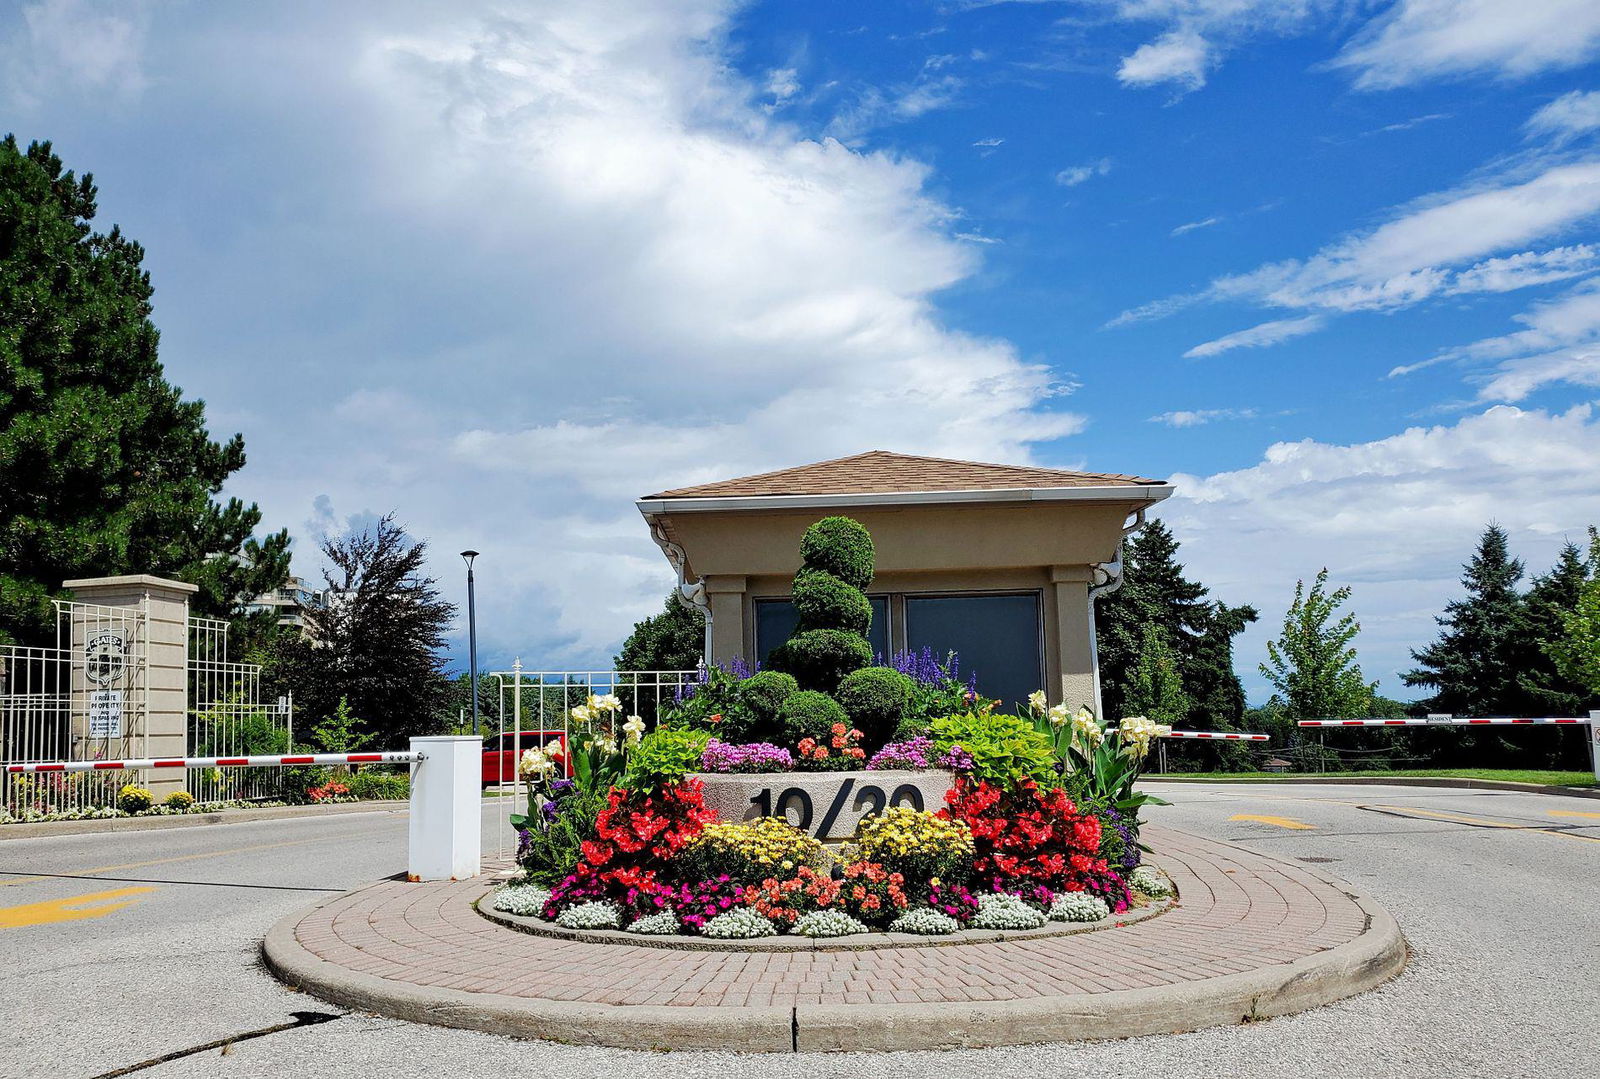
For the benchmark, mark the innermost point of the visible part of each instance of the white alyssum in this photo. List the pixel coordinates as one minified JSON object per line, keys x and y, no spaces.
{"x":662,"y":924}
{"x":925,"y":920}
{"x":1150,"y":881}
{"x":527,"y":900}
{"x":589,"y":916}
{"x":1003,"y":911}
{"x":741,"y":923}
{"x":827,"y":923}
{"x":1079,"y":907}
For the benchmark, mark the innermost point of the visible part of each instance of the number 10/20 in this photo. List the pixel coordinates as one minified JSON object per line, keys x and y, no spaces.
{"x":869,"y":799}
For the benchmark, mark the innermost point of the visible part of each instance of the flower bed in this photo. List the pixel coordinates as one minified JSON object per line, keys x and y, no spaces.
{"x":827,"y":805}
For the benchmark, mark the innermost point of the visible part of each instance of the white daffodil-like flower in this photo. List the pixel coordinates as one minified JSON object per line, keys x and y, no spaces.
{"x":1036,"y":700}
{"x":633,"y":730}
{"x":555,"y":751}
{"x":534,"y":763}
{"x":1086,"y":728}
{"x":582,"y":714}
{"x":604,"y":703}
{"x":1136,"y":734}
{"x":606,"y":744}
{"x":1058,"y":716}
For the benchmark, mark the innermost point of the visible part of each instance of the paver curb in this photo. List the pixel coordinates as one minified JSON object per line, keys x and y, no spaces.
{"x":1383,"y":781}
{"x":1377,"y":954}
{"x":41,"y":829}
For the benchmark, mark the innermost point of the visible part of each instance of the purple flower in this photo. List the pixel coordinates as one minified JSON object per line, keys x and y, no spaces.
{"x":957,"y":759}
{"x":915,"y":753}
{"x":722,"y":756}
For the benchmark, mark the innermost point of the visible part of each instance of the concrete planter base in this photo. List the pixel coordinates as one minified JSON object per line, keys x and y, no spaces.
{"x":828,"y":805}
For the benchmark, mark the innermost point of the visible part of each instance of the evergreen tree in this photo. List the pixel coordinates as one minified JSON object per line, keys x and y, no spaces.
{"x":377,"y":645}
{"x":1474,"y":664}
{"x":673,"y":640}
{"x":1200,"y":632}
{"x":1312,"y":664}
{"x":104,"y":468}
{"x":1577,"y":650}
{"x":1155,"y":685}
{"x":1551,"y":600}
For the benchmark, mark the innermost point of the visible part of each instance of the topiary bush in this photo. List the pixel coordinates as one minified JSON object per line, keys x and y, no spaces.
{"x":827,"y":602}
{"x":841,"y":547}
{"x":875,"y":699}
{"x":761,"y":695}
{"x":809,"y":714}
{"x":834,"y":613}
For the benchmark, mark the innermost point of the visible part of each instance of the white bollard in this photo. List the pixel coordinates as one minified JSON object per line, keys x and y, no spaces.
{"x":1594,"y":743}
{"x":446,"y":808}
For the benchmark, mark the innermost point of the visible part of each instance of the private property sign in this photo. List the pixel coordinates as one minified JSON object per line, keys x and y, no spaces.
{"x":105,"y":713}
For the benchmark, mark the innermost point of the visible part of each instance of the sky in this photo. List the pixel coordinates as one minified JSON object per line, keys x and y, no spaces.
{"x":1332,"y":267}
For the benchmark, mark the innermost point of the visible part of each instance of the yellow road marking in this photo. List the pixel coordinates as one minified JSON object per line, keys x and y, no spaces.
{"x":1438,"y":814}
{"x":72,"y":909}
{"x":164,"y":861}
{"x":1573,"y":813}
{"x":1281,"y":822}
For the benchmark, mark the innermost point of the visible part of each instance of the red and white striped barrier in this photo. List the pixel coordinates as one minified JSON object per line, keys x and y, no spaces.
{"x":1444,"y":721}
{"x":1221,"y":736}
{"x":396,"y":757}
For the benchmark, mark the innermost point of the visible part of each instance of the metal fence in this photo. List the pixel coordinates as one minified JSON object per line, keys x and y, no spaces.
{"x":227,"y":718}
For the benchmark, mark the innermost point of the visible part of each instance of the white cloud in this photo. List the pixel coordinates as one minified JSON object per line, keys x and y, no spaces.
{"x":1267,"y":333}
{"x":1419,"y":40}
{"x":1203,"y":223}
{"x":1394,"y":518}
{"x":1567,"y":117}
{"x":78,"y":47}
{"x":1198,"y":417}
{"x":1074,"y":175}
{"x":783,"y":83}
{"x":1180,"y":57}
{"x":989,"y":143}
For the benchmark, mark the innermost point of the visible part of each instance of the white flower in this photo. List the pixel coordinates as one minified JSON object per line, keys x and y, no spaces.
{"x":925,"y":920}
{"x":633,"y":730}
{"x":1003,"y":911}
{"x":1086,"y":728}
{"x":1148,"y":879}
{"x":527,"y":900}
{"x":582,"y":713}
{"x":1036,"y":700}
{"x":740,"y":923}
{"x":1136,"y":733}
{"x":664,"y":923}
{"x":1058,"y":716}
{"x":827,"y":923}
{"x":605,"y":702}
{"x":534,"y":763}
{"x":589,"y":916}
{"x":1079,"y":907}
{"x":606,"y":744}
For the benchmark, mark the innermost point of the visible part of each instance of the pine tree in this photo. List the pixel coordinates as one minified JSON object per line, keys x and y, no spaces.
{"x":1312,"y":664}
{"x":1474,"y":664}
{"x":104,"y":468}
{"x":1200,"y":632}
{"x":1551,"y":598}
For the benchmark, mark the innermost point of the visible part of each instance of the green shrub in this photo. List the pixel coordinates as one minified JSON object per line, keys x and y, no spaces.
{"x":134,"y":799}
{"x":379,"y":785}
{"x":762,"y":694}
{"x":911,"y":726}
{"x":826,"y":602}
{"x":552,"y":848}
{"x":1004,"y":749}
{"x":820,"y":658}
{"x":178,"y":800}
{"x":842,"y":547}
{"x":875,"y":699}
{"x":809,"y":714}
{"x":664,"y":756}
{"x":719,"y":695}
{"x":300,"y":780}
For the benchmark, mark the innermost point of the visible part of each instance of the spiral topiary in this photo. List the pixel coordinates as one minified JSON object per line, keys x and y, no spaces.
{"x":837,"y":556}
{"x":875,"y":698}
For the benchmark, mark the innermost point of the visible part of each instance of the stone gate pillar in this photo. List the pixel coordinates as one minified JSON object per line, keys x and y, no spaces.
{"x":129,"y":644}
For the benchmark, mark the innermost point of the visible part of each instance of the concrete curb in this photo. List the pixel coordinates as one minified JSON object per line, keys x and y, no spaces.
{"x":42,"y":829}
{"x":1397,"y":781}
{"x":1372,"y":958}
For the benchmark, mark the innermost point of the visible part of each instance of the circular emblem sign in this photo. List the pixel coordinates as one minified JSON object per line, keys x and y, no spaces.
{"x":103,"y":658}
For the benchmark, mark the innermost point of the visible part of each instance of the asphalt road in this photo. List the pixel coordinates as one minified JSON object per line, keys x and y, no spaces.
{"x":1495,"y":891}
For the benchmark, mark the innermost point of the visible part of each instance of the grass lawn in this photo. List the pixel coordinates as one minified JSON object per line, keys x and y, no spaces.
{"x":1505,"y":775}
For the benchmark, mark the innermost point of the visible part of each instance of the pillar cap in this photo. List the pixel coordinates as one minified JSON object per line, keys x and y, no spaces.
{"x":141,"y":579}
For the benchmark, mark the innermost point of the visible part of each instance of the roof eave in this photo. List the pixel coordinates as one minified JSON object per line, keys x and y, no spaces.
{"x":1145,"y":493}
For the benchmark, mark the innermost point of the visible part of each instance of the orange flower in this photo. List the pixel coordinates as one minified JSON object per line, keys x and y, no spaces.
{"x":839,"y":729}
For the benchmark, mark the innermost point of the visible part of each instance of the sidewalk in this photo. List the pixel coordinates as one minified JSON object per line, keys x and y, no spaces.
{"x":1251,"y":937}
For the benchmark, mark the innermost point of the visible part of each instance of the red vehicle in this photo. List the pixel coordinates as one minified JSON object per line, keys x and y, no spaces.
{"x":500,"y":753}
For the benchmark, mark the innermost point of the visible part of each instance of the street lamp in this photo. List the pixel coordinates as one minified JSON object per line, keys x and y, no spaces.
{"x":472,"y":636}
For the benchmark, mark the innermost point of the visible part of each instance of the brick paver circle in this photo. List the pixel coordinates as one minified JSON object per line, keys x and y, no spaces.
{"x":1239,"y":913}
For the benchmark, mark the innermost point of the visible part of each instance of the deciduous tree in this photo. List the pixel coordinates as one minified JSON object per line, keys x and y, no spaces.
{"x":1312,"y":664}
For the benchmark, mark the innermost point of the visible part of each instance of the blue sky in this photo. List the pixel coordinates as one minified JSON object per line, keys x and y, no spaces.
{"x":1334,"y":267}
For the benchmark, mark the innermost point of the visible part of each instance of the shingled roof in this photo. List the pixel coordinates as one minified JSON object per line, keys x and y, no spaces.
{"x":883,"y":472}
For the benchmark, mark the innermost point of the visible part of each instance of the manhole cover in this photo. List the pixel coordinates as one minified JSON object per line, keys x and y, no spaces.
{"x":1316,"y":861}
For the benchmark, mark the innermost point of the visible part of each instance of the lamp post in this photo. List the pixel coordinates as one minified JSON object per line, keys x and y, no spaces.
{"x":472,"y":636}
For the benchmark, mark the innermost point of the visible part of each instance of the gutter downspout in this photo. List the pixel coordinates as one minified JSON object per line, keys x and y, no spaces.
{"x":692,"y":594}
{"x":1107,"y":579}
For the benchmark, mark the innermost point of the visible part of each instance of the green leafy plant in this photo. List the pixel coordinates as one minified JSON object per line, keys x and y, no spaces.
{"x":664,"y":757}
{"x":550,"y":848}
{"x":340,"y":732}
{"x":387,"y":786}
{"x":1004,"y":749}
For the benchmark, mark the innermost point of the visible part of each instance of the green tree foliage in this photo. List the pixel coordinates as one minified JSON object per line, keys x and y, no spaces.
{"x":378,"y":642}
{"x":1312,"y":665}
{"x":1473,"y":665}
{"x":1577,"y":650}
{"x":104,"y":468}
{"x":341,"y":732}
{"x":1199,"y":632}
{"x":1155,"y":686}
{"x":673,"y":640}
